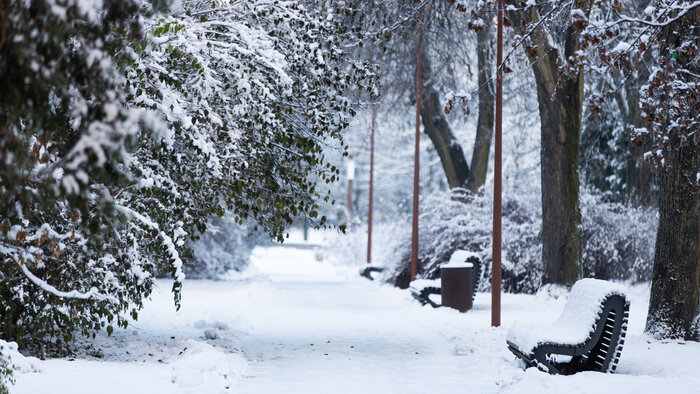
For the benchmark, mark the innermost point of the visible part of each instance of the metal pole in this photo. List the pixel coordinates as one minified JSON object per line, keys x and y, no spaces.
{"x":416,"y":161}
{"x":371,"y":185}
{"x":496,"y":252}
{"x":351,"y":177}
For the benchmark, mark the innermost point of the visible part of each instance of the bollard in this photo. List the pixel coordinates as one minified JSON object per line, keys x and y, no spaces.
{"x":456,"y":279}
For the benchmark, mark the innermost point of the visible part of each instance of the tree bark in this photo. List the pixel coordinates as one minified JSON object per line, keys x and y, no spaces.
{"x":438,"y":129}
{"x":560,"y":98}
{"x":674,"y":304}
{"x":485,"y":122}
{"x":638,"y":172}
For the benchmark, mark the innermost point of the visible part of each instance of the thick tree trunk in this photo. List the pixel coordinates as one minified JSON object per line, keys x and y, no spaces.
{"x":560,"y":97}
{"x":561,"y":217}
{"x":485,"y":122}
{"x":436,"y":126}
{"x":674,"y":307}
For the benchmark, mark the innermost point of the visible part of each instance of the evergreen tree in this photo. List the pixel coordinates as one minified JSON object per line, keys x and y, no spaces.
{"x":67,"y":255}
{"x":118,"y":142}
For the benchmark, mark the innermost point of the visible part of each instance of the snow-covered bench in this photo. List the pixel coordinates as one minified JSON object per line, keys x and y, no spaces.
{"x":423,"y":289}
{"x":369,"y":270}
{"x":588,"y":336}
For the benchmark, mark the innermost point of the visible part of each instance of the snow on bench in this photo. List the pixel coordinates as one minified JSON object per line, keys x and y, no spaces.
{"x":590,"y":330}
{"x":427,"y":291}
{"x":459,"y":259}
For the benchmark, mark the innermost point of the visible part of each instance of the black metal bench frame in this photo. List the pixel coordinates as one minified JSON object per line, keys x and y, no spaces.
{"x":600,"y":352}
{"x":367,"y":271}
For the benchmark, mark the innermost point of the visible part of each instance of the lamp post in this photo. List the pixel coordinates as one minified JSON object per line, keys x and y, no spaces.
{"x":416,"y":162}
{"x":496,"y":251}
{"x":351,"y":178}
{"x":371,"y":184}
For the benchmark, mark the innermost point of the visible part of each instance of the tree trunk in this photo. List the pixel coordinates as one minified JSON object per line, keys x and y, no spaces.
{"x":561,"y":216}
{"x":674,"y":304}
{"x":560,"y":98}
{"x":436,"y":126}
{"x":485,"y":122}
{"x":638,"y":173}
{"x":639,"y":176}
{"x":673,"y":307}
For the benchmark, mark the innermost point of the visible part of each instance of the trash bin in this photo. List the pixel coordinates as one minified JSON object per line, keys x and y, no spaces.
{"x":456,"y":283}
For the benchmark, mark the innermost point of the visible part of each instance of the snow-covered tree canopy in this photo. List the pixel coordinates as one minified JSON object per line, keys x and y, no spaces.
{"x":67,"y":257}
{"x":252,"y":90}
{"x":667,"y":32}
{"x":123,"y":129}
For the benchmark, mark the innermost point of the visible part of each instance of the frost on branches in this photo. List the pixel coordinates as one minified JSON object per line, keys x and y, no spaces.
{"x":667,"y":32}
{"x":122,"y":139}
{"x":615,"y":239}
{"x":251,"y":89}
{"x":68,"y":258}
{"x":670,"y":98}
{"x":5,"y":367}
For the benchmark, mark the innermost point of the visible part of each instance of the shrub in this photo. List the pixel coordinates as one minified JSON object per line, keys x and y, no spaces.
{"x":5,"y":368}
{"x":223,"y":247}
{"x":618,"y":239}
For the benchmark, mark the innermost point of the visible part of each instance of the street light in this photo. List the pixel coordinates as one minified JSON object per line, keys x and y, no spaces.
{"x":351,"y":178}
{"x":371,"y":185}
{"x":496,"y":251}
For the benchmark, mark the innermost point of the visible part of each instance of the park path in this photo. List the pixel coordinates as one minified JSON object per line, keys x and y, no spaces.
{"x":294,"y":323}
{"x":324,"y":329}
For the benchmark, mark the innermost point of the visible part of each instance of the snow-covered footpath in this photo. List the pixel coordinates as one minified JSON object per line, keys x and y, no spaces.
{"x":293,"y":324}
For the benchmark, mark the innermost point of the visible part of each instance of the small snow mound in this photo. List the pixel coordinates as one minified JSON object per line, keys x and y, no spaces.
{"x":18,"y":361}
{"x":200,"y":324}
{"x":462,"y":349}
{"x":201,"y":364}
{"x":210,"y":334}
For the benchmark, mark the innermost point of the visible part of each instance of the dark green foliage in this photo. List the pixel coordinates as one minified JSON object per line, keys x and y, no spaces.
{"x":5,"y":369}
{"x":603,"y":149}
{"x":115,"y":149}
{"x":63,"y":128}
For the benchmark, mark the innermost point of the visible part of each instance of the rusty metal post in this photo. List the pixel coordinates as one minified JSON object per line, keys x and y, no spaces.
{"x":456,"y":286}
{"x":351,"y":178}
{"x":371,"y":184}
{"x":496,"y":251}
{"x":416,"y":162}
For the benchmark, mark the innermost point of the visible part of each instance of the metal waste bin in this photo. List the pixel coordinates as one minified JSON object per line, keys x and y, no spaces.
{"x":456,"y":280}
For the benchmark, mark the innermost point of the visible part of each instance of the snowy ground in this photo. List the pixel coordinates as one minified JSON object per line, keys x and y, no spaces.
{"x":293,"y":324}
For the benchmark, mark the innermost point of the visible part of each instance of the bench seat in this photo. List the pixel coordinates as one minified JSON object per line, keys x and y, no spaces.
{"x":588,"y":336}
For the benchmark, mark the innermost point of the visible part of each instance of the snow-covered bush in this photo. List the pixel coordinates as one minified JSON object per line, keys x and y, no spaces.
{"x":5,"y":368}
{"x":460,"y":220}
{"x":253,"y":91}
{"x":223,"y":247}
{"x":115,"y":150}
{"x":618,"y":239}
{"x":72,"y":255}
